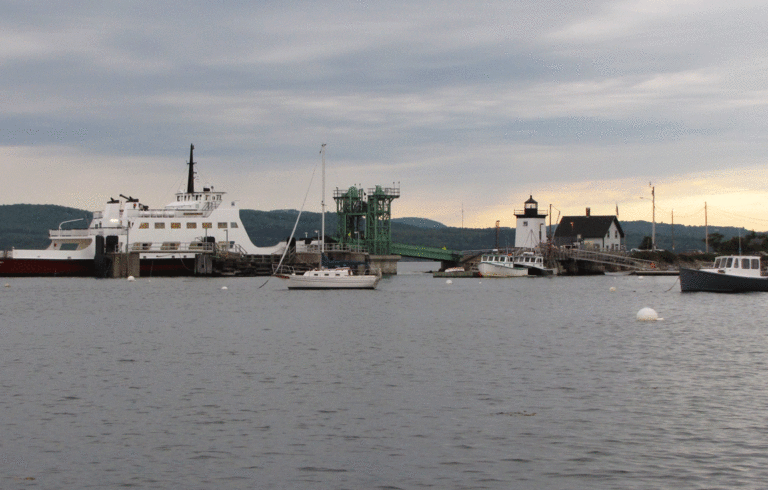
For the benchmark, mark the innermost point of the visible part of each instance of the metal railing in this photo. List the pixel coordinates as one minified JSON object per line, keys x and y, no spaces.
{"x":172,"y":247}
{"x":615,"y":258}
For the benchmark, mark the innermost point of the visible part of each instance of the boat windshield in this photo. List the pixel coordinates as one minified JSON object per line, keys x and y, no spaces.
{"x":729,"y":262}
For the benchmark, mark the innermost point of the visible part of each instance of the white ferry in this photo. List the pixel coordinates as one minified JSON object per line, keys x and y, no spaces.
{"x":168,"y":239}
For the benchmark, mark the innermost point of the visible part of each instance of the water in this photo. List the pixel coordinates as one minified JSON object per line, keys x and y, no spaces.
{"x":506,"y":383}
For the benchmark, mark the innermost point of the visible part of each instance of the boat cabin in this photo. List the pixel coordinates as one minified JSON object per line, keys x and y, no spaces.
{"x":738,"y":265}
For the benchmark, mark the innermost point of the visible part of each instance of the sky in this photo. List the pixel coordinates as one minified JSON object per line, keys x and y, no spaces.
{"x":468,"y":107}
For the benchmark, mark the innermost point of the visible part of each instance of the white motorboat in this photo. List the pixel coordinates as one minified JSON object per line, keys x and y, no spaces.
{"x":500,"y":265}
{"x":534,"y":263}
{"x":730,"y":274}
{"x":330,"y":278}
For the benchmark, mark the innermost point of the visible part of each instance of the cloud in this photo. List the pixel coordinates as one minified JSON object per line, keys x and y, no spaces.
{"x":474,"y":103}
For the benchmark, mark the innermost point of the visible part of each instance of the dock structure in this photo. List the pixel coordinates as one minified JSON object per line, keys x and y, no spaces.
{"x":585,"y":261}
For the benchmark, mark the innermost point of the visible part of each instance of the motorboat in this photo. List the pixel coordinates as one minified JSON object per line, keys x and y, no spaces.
{"x":533,"y":262}
{"x":500,"y":265}
{"x":730,"y":274}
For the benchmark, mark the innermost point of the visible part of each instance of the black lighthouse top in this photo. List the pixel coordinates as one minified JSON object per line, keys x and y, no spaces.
{"x":531,"y":210}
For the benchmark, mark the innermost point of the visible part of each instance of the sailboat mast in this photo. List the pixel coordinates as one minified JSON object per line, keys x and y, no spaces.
{"x":322,"y":209}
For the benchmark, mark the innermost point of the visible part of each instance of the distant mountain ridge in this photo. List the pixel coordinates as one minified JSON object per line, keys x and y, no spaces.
{"x":27,"y":225}
{"x":419,"y":222}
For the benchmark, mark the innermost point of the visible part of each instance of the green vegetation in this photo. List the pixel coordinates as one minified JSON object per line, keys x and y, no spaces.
{"x":27,"y":225}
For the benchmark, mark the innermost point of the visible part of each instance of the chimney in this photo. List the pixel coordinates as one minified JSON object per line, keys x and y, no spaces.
{"x":587,"y":211}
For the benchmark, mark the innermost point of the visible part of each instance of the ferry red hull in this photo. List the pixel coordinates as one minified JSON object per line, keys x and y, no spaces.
{"x":45,"y":267}
{"x":86,"y":267}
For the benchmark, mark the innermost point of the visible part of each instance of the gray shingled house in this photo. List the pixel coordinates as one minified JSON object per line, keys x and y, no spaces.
{"x":589,"y":232}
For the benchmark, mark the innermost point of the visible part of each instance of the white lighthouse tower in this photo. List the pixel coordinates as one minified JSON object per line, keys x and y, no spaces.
{"x":531,"y":226}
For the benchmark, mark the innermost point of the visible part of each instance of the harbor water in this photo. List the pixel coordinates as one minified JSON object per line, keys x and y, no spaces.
{"x":546,"y":383}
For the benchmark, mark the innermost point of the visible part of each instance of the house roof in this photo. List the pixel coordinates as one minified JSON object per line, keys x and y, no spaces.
{"x":586,"y":226}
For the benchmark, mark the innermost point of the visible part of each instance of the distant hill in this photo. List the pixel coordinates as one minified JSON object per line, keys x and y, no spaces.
{"x":419,"y":222}
{"x":27,"y":225}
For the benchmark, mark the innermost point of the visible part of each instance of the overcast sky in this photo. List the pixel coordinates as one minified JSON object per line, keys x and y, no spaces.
{"x":471,"y":107}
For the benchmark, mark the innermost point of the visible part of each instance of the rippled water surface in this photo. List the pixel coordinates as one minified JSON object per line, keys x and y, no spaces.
{"x":506,"y":383}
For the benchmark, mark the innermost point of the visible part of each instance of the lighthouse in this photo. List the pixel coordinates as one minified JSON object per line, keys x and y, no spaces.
{"x":531,"y":225}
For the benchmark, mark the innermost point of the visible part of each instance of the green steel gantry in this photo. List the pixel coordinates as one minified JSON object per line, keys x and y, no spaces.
{"x":364,"y":221}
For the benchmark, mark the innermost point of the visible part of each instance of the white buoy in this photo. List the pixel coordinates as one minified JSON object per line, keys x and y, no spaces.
{"x":449,"y":281}
{"x":648,"y":315}
{"x":131,"y":278}
{"x":223,"y":287}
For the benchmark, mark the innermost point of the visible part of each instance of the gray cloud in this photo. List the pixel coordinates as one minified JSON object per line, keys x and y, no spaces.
{"x":433,"y":93}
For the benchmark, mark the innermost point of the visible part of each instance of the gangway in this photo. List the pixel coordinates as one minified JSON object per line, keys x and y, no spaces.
{"x":430,"y":253}
{"x":616,"y":259}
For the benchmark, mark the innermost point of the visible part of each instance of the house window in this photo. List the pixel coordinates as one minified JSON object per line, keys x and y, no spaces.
{"x":191,"y":225}
{"x":159,"y":226}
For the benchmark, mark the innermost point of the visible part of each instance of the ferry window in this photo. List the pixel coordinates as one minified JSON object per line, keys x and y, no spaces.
{"x":233,"y":225}
{"x":745,"y":263}
{"x":169,"y":246}
{"x":207,"y":225}
{"x":176,"y":226}
{"x":144,"y":226}
{"x":729,"y":262}
{"x":222,"y":225}
{"x":159,"y":226}
{"x":191,"y":225}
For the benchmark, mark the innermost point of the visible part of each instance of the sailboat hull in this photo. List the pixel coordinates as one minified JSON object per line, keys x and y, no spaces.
{"x":324,"y":280}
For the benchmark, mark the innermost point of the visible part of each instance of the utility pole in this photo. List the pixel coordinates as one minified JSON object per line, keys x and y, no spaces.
{"x":653,"y":227}
{"x":549,"y":230}
{"x":673,"y":230}
{"x":706,"y":229}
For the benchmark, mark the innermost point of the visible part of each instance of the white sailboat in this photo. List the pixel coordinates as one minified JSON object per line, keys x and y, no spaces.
{"x":330,"y":278}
